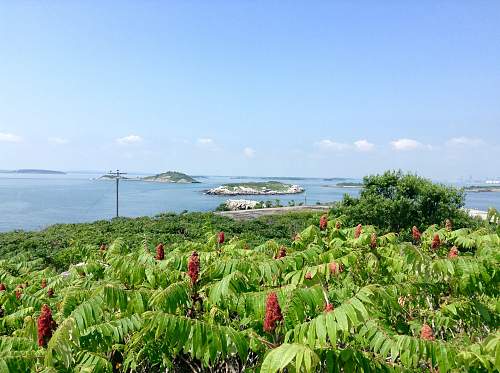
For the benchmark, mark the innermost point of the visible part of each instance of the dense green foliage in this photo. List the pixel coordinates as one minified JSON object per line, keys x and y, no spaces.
{"x":395,"y":201}
{"x":63,"y":244}
{"x":394,"y":306}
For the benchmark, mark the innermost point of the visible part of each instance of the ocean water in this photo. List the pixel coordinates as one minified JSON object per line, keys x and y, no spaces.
{"x":32,"y":202}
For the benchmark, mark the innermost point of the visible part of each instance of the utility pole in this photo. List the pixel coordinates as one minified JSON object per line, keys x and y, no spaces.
{"x":117,"y":174}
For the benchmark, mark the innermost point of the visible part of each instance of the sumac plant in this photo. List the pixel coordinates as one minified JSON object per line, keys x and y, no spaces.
{"x":331,"y":304}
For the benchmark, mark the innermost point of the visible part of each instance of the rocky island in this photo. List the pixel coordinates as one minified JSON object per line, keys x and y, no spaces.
{"x":170,"y":177}
{"x":255,"y":188}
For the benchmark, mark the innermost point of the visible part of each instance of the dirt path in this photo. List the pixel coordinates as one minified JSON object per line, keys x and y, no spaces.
{"x":255,"y":213}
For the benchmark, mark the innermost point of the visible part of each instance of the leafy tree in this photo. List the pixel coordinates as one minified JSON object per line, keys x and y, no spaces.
{"x":395,"y":201}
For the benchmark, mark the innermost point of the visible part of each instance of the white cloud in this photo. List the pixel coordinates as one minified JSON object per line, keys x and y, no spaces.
{"x":9,"y":137}
{"x":249,"y":152}
{"x":58,"y":140}
{"x":464,"y":141}
{"x":332,"y":145}
{"x":363,"y":145}
{"x":129,"y":140}
{"x":205,"y":141}
{"x":407,"y":144}
{"x":207,"y":144}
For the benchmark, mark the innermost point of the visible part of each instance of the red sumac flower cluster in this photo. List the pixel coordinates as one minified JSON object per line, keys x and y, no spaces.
{"x":2,"y":287}
{"x":453,"y":252}
{"x":416,"y":234}
{"x":373,"y":240}
{"x":329,"y":307}
{"x":194,"y":267}
{"x":45,"y":326}
{"x":44,"y":283}
{"x":427,"y":333}
{"x":323,"y":222}
{"x":220,"y":238}
{"x":336,"y":268}
{"x":281,"y":253}
{"x":273,"y":312}
{"x":160,"y":252}
{"x":436,"y":242}
{"x":358,"y":230}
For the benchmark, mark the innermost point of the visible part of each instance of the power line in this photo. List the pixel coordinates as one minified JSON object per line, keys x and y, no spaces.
{"x":116,"y":174}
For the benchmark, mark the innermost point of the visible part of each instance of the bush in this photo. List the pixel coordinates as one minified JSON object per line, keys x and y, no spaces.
{"x":395,"y":201}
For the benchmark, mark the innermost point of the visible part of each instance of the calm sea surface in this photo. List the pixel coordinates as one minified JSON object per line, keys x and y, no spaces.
{"x":33,"y":202}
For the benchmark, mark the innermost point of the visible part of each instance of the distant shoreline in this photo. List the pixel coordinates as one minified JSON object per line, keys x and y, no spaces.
{"x":33,"y":171}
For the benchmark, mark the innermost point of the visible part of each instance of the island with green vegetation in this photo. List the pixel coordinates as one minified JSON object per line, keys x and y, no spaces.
{"x":113,"y":177}
{"x":483,"y":188}
{"x":256,"y":188}
{"x":349,"y":185}
{"x":171,"y":177}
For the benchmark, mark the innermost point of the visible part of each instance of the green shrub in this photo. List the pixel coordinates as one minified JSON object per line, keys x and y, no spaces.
{"x":395,"y":201}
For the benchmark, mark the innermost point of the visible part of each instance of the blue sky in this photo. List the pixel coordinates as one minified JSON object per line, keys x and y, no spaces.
{"x":328,"y":88}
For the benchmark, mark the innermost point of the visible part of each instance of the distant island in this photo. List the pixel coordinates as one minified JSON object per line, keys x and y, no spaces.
{"x":113,"y":177}
{"x":165,"y":177}
{"x":349,"y":185}
{"x":33,"y":171}
{"x":170,"y":177}
{"x":334,"y":178}
{"x":255,"y":188}
{"x":483,"y":188}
